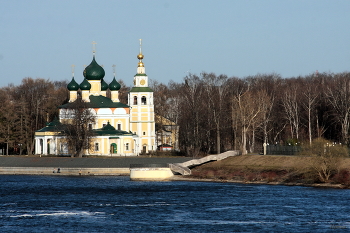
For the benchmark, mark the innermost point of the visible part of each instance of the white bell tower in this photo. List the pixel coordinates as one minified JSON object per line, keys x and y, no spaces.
{"x":142,"y":109}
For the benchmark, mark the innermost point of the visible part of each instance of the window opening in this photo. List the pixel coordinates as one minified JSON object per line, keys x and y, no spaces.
{"x":143,"y":100}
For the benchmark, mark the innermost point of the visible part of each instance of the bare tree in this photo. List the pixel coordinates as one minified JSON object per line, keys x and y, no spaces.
{"x":327,"y":157}
{"x":191,"y":107}
{"x":338,"y":94}
{"x":292,"y":108}
{"x":216,"y":91}
{"x":250,"y":111}
{"x":8,"y":119}
{"x":310,"y":94}
{"x":76,"y":131}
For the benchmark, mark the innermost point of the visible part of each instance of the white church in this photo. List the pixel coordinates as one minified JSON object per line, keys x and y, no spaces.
{"x":119,"y":129}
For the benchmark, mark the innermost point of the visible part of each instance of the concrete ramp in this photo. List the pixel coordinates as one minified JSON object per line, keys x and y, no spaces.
{"x":177,"y":168}
{"x":184,"y":168}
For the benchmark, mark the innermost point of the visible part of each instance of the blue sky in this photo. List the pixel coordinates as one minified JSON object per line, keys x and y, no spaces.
{"x":42,"y":39}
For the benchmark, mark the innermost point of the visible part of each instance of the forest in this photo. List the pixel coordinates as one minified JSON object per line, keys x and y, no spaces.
{"x":215,"y":113}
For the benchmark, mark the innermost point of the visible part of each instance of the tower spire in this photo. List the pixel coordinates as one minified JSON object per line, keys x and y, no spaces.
{"x":140,"y":66}
{"x":140,"y":46}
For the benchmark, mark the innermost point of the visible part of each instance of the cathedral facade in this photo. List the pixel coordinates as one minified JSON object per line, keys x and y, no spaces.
{"x":118,"y":129}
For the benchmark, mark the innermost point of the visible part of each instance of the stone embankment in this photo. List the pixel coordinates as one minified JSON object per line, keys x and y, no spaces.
{"x":26,"y":165}
{"x":167,"y":171}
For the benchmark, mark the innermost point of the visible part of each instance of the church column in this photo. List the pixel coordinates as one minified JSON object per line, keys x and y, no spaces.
{"x":44,"y":149}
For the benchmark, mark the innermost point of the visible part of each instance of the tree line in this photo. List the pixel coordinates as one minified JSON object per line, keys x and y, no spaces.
{"x":214,"y":113}
{"x":26,"y":108}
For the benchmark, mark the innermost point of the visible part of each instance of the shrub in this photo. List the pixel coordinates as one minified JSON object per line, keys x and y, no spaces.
{"x":326,"y":157}
{"x":342,"y":177}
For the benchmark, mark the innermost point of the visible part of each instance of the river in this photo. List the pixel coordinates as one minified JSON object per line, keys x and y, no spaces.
{"x":116,"y":204}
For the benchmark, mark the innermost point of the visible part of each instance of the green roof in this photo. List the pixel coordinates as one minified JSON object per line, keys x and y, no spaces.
{"x":141,"y":89}
{"x":100,"y":102}
{"x":109,"y":130}
{"x":53,"y":126}
{"x":140,"y":74}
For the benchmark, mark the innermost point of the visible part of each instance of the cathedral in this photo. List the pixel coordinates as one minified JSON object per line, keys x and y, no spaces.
{"x":119,"y":129}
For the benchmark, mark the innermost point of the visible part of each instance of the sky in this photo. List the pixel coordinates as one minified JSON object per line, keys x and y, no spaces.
{"x":43,"y":39}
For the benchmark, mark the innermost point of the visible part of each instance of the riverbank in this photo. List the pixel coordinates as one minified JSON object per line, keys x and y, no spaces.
{"x":248,"y":169}
{"x":274,"y":170}
{"x":36,"y":165}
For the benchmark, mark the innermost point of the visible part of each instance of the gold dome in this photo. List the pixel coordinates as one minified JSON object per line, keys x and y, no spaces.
{"x":140,"y":64}
{"x":140,"y":56}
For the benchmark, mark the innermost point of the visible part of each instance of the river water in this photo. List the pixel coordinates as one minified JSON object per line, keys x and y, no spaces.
{"x":116,"y":204}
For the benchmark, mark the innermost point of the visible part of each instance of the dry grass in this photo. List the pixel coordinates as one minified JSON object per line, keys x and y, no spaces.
{"x":284,"y":169}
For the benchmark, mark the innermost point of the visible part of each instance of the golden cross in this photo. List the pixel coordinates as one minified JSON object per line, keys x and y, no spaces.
{"x":73,"y":69}
{"x":113,"y":69}
{"x":94,"y":47}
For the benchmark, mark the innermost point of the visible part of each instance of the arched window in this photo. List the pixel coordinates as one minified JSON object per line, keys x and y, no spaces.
{"x":135,"y":100}
{"x":143,"y":100}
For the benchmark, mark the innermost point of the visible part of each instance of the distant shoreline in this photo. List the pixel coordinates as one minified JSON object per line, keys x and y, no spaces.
{"x":315,"y":185}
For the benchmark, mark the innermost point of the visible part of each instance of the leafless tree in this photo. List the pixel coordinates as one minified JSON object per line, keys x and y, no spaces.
{"x":216,"y":92}
{"x":338,"y":94}
{"x":326,"y":157}
{"x":292,"y":108}
{"x":76,"y":131}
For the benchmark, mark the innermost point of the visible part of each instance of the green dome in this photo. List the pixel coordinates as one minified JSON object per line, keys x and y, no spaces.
{"x":104,"y":85}
{"x":85,"y":85}
{"x":114,"y":85}
{"x":73,"y":85}
{"x":94,"y":71}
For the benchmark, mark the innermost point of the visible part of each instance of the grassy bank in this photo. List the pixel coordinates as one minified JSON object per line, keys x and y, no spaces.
{"x":271,"y":169}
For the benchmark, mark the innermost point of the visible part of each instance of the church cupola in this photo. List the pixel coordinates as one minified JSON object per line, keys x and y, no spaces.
{"x":114,"y":86}
{"x":104,"y":87}
{"x":94,"y":73}
{"x":85,"y":87}
{"x":73,"y":85}
{"x":73,"y":88}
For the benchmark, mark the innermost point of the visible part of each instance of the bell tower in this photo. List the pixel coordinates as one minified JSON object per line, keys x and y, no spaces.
{"x":140,"y":100}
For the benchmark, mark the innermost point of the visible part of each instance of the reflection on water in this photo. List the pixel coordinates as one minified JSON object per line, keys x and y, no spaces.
{"x":115,"y":204}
